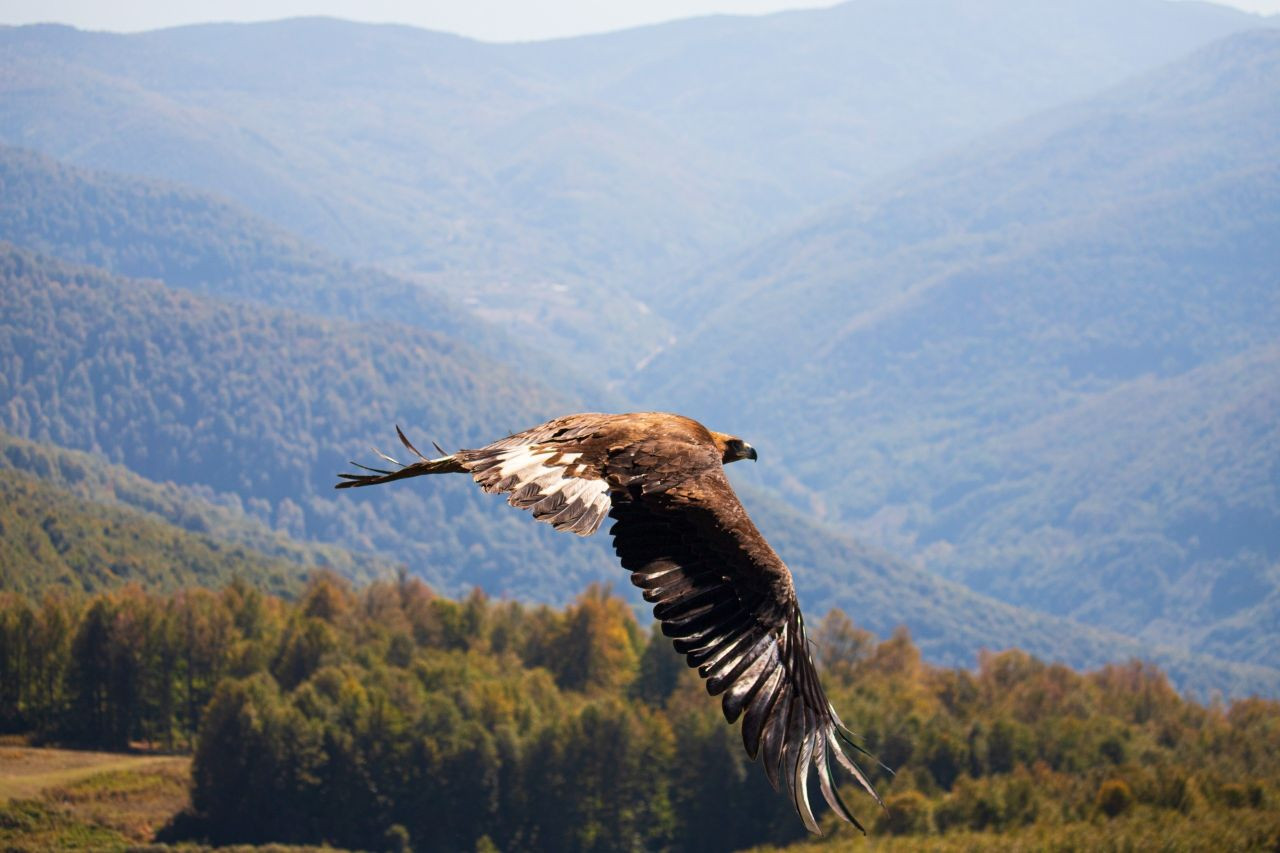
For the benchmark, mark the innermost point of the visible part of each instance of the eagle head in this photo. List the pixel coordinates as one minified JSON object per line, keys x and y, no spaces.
{"x":733,"y":448}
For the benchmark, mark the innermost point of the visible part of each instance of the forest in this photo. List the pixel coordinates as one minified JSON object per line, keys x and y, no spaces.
{"x":389,"y":717}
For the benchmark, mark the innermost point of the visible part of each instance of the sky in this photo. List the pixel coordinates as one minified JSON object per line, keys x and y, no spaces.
{"x":489,"y":20}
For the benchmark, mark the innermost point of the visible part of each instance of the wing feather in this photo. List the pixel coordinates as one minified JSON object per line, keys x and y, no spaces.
{"x":759,"y":712}
{"x":542,"y":470}
{"x":726,"y":599}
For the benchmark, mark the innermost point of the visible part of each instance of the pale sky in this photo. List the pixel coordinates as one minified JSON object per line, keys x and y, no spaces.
{"x":490,"y":20}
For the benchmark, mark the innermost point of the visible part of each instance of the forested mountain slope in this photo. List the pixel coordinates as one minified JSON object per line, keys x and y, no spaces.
{"x":51,"y":539}
{"x":585,"y":170}
{"x":144,"y":228}
{"x":1046,"y":364}
{"x":269,"y":405}
{"x":951,"y":622}
{"x":194,"y":508}
{"x":180,"y":388}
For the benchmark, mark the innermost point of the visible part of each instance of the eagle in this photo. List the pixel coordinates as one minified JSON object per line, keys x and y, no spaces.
{"x":720,"y":592}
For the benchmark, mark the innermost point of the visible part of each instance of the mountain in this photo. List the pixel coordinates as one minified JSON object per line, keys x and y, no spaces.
{"x":817,"y":101}
{"x":143,"y":228}
{"x":586,"y":170}
{"x":952,"y":623}
{"x":1043,"y":362}
{"x":269,"y":404}
{"x":49,"y":538}
{"x":258,"y":408}
{"x":90,"y":479}
{"x":248,"y":411}
{"x":1046,"y":363}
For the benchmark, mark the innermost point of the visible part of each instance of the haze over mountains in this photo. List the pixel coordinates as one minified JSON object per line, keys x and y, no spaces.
{"x":582,"y":169}
{"x":1048,"y":361}
{"x":188,"y":391}
{"x":1040,"y":341}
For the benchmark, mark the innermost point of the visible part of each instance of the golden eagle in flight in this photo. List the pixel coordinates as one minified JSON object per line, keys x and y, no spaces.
{"x":721,"y":593}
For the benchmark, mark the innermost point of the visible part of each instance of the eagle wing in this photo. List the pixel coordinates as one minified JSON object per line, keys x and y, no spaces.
{"x":727,"y":600}
{"x":554,"y":470}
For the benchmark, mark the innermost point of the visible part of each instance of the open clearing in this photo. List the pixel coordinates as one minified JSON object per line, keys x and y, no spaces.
{"x":65,"y":799}
{"x":27,"y":771}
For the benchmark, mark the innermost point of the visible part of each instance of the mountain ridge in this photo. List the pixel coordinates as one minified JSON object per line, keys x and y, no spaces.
{"x":452,"y":535}
{"x":921,"y":328}
{"x":586,"y":170}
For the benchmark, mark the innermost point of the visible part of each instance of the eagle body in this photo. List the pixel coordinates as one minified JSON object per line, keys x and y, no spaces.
{"x":721,"y":593}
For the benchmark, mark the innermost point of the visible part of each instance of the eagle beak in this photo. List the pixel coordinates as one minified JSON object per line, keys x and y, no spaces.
{"x":749,"y":452}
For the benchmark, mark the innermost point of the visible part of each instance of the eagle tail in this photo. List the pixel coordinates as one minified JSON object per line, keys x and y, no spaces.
{"x":448,"y":464}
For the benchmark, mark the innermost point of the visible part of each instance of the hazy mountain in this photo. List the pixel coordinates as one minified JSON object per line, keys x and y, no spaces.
{"x":579,"y":170}
{"x":1043,"y":364}
{"x":951,"y":623}
{"x":815,"y":101}
{"x":1046,"y":364}
{"x":151,"y":229}
{"x":258,"y":408}
{"x":269,"y":404}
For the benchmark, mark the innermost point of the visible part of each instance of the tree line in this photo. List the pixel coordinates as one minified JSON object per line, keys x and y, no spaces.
{"x":389,"y":717}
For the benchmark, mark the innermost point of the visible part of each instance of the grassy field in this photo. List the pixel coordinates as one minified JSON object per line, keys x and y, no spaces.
{"x":65,"y":799}
{"x":25,"y":772}
{"x":60,"y":799}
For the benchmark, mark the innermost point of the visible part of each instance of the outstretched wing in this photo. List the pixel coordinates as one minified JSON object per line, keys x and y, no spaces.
{"x":727,"y":601}
{"x":554,"y":470}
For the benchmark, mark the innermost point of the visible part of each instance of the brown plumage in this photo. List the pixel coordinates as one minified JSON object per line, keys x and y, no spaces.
{"x":721,"y":593}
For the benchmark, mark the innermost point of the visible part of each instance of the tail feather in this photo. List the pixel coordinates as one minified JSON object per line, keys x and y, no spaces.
{"x":448,"y":464}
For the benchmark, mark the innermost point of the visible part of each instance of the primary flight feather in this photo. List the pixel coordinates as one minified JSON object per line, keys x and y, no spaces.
{"x":721,"y":593}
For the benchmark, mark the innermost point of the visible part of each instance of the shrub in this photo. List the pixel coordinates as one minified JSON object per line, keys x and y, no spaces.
{"x":1114,"y":797}
{"x":907,"y":813}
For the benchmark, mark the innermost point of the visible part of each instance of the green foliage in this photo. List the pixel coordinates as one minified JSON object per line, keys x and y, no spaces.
{"x":192,"y":508}
{"x":907,"y":813}
{"x":388,"y":717}
{"x":51,"y":539}
{"x":1114,"y":797}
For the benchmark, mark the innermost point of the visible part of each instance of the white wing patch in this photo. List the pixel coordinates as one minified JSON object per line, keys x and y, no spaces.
{"x":547,"y":482}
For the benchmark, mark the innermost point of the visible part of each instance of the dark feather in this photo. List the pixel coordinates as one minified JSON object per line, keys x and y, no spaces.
{"x":405,"y":441}
{"x":696,"y":599}
{"x":758,"y":712}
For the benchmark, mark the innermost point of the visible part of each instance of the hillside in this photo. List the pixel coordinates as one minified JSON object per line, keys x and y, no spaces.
{"x":1046,"y":363}
{"x":51,"y":539}
{"x":195,"y":509}
{"x":587,"y":170}
{"x":269,"y":405}
{"x":173,"y":386}
{"x":952,"y":624}
{"x":143,"y":228}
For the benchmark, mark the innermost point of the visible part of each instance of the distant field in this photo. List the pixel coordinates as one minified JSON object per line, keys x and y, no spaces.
{"x":68,"y":799}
